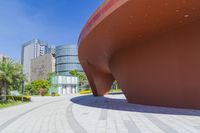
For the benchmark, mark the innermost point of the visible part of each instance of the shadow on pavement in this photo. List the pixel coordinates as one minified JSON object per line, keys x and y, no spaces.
{"x":115,"y":93}
{"x":120,"y":104}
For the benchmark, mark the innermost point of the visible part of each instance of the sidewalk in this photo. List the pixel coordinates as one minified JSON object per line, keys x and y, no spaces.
{"x":88,"y":114}
{"x":112,"y":114}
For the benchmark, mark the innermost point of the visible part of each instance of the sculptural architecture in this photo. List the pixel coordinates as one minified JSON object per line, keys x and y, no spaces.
{"x":151,"y":47}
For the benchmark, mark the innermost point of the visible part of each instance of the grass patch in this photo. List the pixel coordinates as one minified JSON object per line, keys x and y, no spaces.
{"x":10,"y":103}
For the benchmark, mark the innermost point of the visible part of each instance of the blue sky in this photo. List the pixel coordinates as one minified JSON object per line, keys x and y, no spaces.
{"x":55,"y":21}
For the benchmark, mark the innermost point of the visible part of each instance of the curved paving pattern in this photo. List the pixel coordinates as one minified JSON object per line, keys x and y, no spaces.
{"x":112,"y":114}
{"x":88,"y":114}
{"x":10,"y":121}
{"x":74,"y":124}
{"x":43,"y":115}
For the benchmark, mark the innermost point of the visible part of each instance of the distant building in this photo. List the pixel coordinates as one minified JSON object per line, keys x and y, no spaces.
{"x":31,"y":50}
{"x":42,"y":66}
{"x":67,"y":59}
{"x":51,"y":49}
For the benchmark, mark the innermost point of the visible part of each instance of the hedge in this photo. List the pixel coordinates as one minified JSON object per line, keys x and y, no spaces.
{"x":19,"y":98}
{"x":52,"y":94}
{"x":85,"y":92}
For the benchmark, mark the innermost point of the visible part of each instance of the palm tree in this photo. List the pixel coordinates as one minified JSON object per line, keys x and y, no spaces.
{"x":17,"y":76}
{"x":10,"y":74}
{"x":81,"y":75}
{"x":82,"y":78}
{"x":6,"y":68}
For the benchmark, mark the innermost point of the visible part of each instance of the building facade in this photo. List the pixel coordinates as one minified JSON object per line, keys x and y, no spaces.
{"x":64,"y":85}
{"x":42,"y":66}
{"x":51,"y":49}
{"x":67,"y":59}
{"x":30,"y":50}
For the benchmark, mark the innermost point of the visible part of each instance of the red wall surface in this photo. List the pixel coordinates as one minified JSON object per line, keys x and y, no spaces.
{"x":151,"y":47}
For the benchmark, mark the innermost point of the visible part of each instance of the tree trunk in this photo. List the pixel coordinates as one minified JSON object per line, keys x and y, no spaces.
{"x":0,"y":91}
{"x":3,"y":92}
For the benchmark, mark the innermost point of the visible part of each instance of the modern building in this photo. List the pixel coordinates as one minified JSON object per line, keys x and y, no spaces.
{"x":151,"y":48}
{"x":42,"y":66}
{"x":51,"y":49}
{"x":64,"y":85}
{"x":67,"y":59}
{"x":30,"y":50}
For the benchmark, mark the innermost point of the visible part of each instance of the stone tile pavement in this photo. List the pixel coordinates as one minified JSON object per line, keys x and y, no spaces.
{"x":112,"y":114}
{"x":88,"y":114}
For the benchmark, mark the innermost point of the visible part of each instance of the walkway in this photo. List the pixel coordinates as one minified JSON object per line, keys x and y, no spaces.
{"x":88,"y":114}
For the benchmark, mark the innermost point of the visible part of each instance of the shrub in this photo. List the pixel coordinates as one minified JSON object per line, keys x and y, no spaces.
{"x":47,"y":94}
{"x":85,"y":92}
{"x":37,"y":87}
{"x":19,"y":98}
{"x":52,"y":94}
{"x":57,"y":94}
{"x":115,"y":90}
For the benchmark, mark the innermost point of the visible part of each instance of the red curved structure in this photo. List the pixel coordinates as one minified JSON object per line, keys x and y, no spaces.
{"x":151,"y":47}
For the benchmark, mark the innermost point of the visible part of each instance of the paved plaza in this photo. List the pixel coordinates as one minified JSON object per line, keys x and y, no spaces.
{"x":88,"y":114}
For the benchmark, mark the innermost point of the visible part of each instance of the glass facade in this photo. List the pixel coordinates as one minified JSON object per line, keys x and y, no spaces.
{"x":67,"y":59}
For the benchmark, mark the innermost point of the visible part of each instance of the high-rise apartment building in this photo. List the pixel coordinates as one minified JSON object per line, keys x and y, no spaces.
{"x":30,"y":50}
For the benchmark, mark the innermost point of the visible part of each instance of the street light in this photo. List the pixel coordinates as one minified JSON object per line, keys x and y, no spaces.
{"x":22,"y":90}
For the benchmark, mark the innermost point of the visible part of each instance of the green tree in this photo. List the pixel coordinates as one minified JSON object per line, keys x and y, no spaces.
{"x":36,"y":86}
{"x":17,"y":77}
{"x":50,"y":75}
{"x":81,"y":75}
{"x":10,"y":76}
{"x":83,"y":82}
{"x":74,"y":72}
{"x":28,"y":89}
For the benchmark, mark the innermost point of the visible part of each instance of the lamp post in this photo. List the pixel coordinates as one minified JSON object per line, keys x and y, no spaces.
{"x":22,"y":90}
